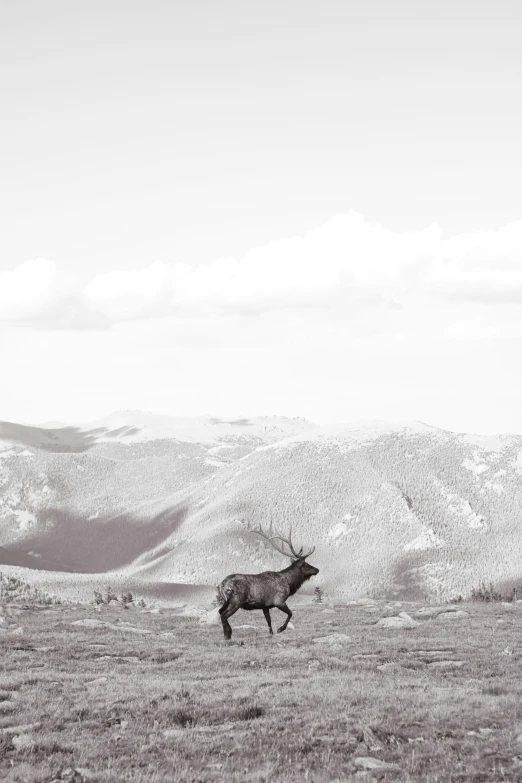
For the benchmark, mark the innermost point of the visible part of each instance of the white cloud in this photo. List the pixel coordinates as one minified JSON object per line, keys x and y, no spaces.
{"x":348,"y":263}
{"x":31,"y":289}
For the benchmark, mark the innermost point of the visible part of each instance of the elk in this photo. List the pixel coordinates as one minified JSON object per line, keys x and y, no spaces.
{"x":268,"y":590}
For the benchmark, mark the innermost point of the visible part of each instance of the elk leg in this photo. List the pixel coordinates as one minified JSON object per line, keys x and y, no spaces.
{"x":227,"y":611}
{"x":266,"y":612}
{"x":284,"y":608}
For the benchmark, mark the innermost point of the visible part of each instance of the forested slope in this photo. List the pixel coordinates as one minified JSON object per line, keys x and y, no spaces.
{"x":403,"y":510}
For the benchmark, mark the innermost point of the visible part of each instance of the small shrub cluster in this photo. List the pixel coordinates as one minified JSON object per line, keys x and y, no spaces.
{"x":318,"y":595}
{"x":126,"y":600}
{"x":15,"y":590}
{"x":487,"y":593}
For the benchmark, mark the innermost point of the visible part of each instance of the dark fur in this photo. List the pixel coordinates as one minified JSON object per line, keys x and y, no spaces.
{"x":264,"y":591}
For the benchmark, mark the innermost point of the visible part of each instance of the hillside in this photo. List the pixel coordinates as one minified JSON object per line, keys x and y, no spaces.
{"x":405,"y":510}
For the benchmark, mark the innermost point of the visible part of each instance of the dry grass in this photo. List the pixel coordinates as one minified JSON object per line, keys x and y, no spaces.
{"x":179,"y":704}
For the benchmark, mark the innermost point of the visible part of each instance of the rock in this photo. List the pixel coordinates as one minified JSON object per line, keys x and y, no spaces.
{"x":433,"y":611}
{"x":366,"y":602}
{"x":332,"y":638}
{"x":173,"y":733}
{"x":402,"y":621}
{"x":480,"y":733}
{"x":97,"y":681}
{"x":445,"y":664}
{"x":328,"y":611}
{"x":245,"y":626}
{"x":91,"y":622}
{"x":20,"y":729}
{"x":132,"y":629}
{"x":19,"y":631}
{"x":372,"y":764}
{"x":193,"y":611}
{"x":457,"y":615}
{"x":85,"y":774}
{"x":507,"y":651}
{"x":365,"y":656}
{"x":23,"y":741}
{"x":210,"y":618}
{"x":386,"y":667}
{"x":519,"y":739}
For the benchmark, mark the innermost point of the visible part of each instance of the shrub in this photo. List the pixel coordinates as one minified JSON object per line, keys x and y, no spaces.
{"x":15,"y":590}
{"x":486,"y":593}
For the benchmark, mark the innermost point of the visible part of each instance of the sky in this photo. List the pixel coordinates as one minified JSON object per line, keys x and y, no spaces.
{"x":303,"y":209}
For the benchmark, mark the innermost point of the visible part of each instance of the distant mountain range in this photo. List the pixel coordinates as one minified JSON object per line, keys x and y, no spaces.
{"x":407,"y":510}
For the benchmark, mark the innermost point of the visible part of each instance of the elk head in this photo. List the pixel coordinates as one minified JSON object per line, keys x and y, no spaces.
{"x":286,"y":547}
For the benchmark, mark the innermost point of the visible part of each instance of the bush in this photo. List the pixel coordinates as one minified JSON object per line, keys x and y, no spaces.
{"x":318,"y":595}
{"x":486,"y":593}
{"x":14,"y":590}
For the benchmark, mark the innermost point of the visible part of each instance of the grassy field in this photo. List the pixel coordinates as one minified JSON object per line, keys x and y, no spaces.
{"x":164,"y":698}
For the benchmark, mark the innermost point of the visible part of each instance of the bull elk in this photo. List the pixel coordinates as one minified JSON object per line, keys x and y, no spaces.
{"x":268,"y":590}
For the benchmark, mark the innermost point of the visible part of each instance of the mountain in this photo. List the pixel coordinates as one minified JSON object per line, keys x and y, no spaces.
{"x":392,"y":509}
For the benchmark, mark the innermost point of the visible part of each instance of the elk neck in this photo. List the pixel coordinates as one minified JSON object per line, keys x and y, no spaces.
{"x":294,"y":576}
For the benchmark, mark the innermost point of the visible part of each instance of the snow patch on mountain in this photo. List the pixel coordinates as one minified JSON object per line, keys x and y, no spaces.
{"x":339,"y":530}
{"x":475,"y":465}
{"x":473,"y":520}
{"x":494,"y":487}
{"x":428,"y":539}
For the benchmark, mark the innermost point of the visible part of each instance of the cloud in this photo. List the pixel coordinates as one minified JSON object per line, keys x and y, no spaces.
{"x":348,"y":263}
{"x":32,"y":289}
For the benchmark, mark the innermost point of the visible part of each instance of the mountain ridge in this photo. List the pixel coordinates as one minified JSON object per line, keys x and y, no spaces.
{"x":393,"y":509}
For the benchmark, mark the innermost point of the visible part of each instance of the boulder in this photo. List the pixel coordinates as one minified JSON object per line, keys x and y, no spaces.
{"x":23,"y":741}
{"x":458,"y":615}
{"x":401,"y":621}
{"x":375,"y":765}
{"x":332,"y":638}
{"x":90,"y":622}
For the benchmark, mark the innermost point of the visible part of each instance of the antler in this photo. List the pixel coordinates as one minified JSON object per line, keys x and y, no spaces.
{"x":288,"y":541}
